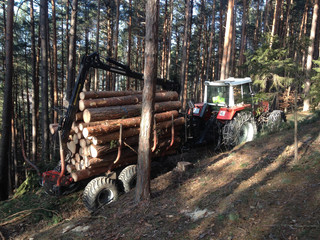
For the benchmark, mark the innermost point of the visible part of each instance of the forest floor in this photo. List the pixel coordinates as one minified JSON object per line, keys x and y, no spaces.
{"x":255,"y":191}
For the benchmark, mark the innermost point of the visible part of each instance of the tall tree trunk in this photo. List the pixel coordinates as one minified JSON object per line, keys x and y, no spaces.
{"x":109,"y":44}
{"x":55,"y":59}
{"x":164,"y":41}
{"x":67,"y":44}
{"x":169,"y":40}
{"x":44,"y":78}
{"x":184,"y":59}
{"x":287,"y":24}
{"x":146,"y":125}
{"x":266,"y":27}
{"x":243,"y":37}
{"x":198,"y":80}
{"x":72,"y":49}
{"x":227,"y":42}
{"x":233,"y":45}
{"x":306,"y":101}
{"x":129,"y":42}
{"x":317,"y":38}
{"x":177,"y":52}
{"x":221,"y":33}
{"x":275,"y":22}
{"x":115,"y":41}
{"x":28,"y":126}
{"x":4,"y":34}
{"x":96,"y":71}
{"x":303,"y":21}
{"x":211,"y":47}
{"x":256,"y":29}
{"x":7,"y":106}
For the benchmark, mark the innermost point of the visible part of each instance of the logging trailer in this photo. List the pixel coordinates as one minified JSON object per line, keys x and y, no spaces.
{"x":102,"y":149}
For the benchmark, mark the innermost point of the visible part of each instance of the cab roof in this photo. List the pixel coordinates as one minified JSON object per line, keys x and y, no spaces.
{"x":229,"y":81}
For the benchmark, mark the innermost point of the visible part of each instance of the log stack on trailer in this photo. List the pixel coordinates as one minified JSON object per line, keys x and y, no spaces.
{"x":105,"y":133}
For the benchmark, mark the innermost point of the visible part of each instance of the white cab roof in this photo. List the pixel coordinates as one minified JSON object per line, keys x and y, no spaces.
{"x":229,"y":81}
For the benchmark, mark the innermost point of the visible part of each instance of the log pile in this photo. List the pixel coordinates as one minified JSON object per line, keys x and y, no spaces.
{"x":105,"y":133}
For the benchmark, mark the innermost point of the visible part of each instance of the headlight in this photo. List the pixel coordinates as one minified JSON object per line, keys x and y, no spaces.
{"x":222,"y":113}
{"x":196,"y":110}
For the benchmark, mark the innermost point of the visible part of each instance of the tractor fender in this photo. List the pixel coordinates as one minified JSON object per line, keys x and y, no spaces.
{"x":199,"y":110}
{"x":228,"y":113}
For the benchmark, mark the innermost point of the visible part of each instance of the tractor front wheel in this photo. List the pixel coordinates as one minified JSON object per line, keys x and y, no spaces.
{"x":242,"y":128}
{"x":98,"y":192}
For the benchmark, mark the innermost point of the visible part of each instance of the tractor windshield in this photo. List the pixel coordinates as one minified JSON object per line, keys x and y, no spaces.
{"x":218,"y":95}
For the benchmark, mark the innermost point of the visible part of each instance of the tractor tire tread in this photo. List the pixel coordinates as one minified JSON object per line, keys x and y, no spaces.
{"x":127,"y":176}
{"x":93,"y":189}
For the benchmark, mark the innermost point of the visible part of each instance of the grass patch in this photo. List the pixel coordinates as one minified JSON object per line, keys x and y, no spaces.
{"x":244,"y":165}
{"x":233,"y":216}
{"x":35,"y":206}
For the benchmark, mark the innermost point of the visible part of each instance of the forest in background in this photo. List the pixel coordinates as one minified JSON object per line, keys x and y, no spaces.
{"x":273,"y":42}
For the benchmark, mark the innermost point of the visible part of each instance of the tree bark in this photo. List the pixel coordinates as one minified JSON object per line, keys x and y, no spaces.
{"x":256,"y":29}
{"x":115,"y":41}
{"x":164,"y":40}
{"x":72,"y":49}
{"x":44,"y":78}
{"x":35,"y":84}
{"x":148,"y":108}
{"x":243,"y":37}
{"x":116,"y":112}
{"x":210,"y":74}
{"x":7,"y":105}
{"x":169,"y":40}
{"x":130,"y":132}
{"x":106,"y":94}
{"x":125,"y":100}
{"x":317,"y":39}
{"x":184,"y":59}
{"x":129,"y":42}
{"x":221,"y":33}
{"x":55,"y":63}
{"x":114,"y":125}
{"x":67,"y":44}
{"x":275,"y":22}
{"x":306,"y":101}
{"x":96,"y":71}
{"x":227,"y":42}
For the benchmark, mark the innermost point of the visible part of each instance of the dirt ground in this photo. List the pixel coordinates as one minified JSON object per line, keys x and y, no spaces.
{"x":255,"y":191}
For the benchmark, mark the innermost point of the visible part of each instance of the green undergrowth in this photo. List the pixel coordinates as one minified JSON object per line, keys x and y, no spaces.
{"x":30,"y":184}
{"x":31,"y":204}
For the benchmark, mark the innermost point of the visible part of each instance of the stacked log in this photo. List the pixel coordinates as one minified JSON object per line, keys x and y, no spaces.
{"x":105,"y":133}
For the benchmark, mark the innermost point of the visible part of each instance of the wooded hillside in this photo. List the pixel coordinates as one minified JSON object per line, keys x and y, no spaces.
{"x":275,"y":42}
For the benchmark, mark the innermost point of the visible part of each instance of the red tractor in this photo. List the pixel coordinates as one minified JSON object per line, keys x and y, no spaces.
{"x":229,"y":116}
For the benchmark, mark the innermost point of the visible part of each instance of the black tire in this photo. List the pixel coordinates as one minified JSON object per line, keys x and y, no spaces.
{"x":242,"y":128}
{"x":98,"y":192}
{"x":128,"y":177}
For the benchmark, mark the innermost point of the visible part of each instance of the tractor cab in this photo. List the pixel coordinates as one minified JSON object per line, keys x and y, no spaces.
{"x":231,"y":92}
{"x":230,"y":95}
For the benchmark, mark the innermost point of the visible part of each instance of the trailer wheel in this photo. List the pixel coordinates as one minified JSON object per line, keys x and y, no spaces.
{"x":98,"y":192}
{"x":128,"y":177}
{"x":242,"y":128}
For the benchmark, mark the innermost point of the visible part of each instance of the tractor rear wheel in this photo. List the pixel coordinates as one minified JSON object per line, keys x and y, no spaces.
{"x":98,"y":192}
{"x":128,"y":177}
{"x":242,"y":128}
